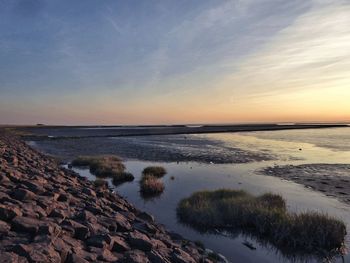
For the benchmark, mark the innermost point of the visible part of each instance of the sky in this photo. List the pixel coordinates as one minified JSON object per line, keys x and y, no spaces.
{"x":184,"y":61}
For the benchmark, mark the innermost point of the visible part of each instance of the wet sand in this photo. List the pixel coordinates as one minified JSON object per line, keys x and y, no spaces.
{"x":331,"y":179}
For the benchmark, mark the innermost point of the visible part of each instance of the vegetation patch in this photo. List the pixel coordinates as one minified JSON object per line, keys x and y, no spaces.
{"x":156,"y":171}
{"x":104,"y":166}
{"x":121,"y":177}
{"x":151,"y":185}
{"x":265,"y":217}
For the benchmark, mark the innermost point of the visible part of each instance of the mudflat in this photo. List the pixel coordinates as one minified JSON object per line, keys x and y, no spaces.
{"x":330,"y":179}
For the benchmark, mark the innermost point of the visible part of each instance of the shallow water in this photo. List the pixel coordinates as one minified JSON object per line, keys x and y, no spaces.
{"x":194,"y":176}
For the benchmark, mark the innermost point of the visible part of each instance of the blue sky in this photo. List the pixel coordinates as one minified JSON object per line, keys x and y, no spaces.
{"x":109,"y":62}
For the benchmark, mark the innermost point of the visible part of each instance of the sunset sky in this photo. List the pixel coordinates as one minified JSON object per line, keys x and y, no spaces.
{"x":179,"y":61}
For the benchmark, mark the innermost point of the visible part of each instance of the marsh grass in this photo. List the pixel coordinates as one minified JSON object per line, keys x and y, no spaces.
{"x":265,"y":217}
{"x":121,"y":177}
{"x":105,"y":166}
{"x":156,"y":171}
{"x":151,"y":185}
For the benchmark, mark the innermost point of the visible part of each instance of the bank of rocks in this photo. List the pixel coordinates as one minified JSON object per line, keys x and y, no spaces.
{"x":51,"y":214}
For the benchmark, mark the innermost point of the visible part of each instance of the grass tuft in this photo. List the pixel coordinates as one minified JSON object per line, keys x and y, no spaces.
{"x":264,"y":216}
{"x":105,"y":166}
{"x":121,"y":177}
{"x":156,"y":171}
{"x":151,"y":185}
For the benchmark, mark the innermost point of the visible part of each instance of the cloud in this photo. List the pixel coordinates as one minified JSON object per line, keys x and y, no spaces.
{"x":312,"y":53}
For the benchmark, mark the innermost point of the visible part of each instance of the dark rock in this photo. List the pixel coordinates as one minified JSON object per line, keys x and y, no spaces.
{"x":139,"y":241}
{"x":4,"y":228}
{"x":135,"y":256}
{"x":74,"y":258}
{"x":63,"y":198}
{"x":8,"y":257}
{"x":89,"y":192}
{"x":25,"y":224}
{"x":119,"y":244}
{"x":147,"y":217}
{"x":100,"y":241}
{"x":22,"y":194}
{"x":180,"y":256}
{"x":58,"y":213}
{"x":7,"y":213}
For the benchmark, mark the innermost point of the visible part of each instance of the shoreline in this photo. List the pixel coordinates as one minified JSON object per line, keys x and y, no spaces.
{"x":52,"y":214}
{"x":73,"y":132}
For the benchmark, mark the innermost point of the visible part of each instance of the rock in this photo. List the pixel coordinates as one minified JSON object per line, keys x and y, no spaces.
{"x":180,"y":256}
{"x":122,"y":223}
{"x":58,"y":213}
{"x":119,"y":244}
{"x":63,"y":198}
{"x":87,"y":216}
{"x":8,"y":257}
{"x":81,"y":232}
{"x":100,"y":241}
{"x":7,"y":213}
{"x":135,"y":256}
{"x":25,"y":224}
{"x":35,"y":188}
{"x":4,"y":228}
{"x":74,"y":258}
{"x":105,"y":255}
{"x":156,"y":257}
{"x":21,"y":250}
{"x":147,"y":217}
{"x":139,"y":241}
{"x":22,"y":194}
{"x":89,"y":192}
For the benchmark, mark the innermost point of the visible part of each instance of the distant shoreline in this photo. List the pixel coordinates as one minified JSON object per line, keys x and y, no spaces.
{"x":65,"y":132}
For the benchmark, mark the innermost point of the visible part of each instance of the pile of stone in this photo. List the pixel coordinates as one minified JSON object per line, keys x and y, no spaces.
{"x":51,"y":214}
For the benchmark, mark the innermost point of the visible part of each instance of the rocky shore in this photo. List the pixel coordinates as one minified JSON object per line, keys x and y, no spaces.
{"x":51,"y":214}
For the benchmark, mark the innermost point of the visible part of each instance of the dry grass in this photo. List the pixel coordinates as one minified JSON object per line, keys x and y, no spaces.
{"x":264,"y":216}
{"x":151,"y":185}
{"x":156,"y":171}
{"x":104,"y":166}
{"x":121,"y":177}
